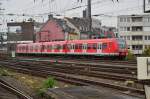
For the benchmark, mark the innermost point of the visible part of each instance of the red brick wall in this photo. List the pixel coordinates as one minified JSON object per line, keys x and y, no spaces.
{"x":51,"y":31}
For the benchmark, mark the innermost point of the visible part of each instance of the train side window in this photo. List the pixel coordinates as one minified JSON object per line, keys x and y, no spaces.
{"x":83,"y":46}
{"x":55,"y":46}
{"x":36,"y":47}
{"x":64,"y":46}
{"x":44,"y":47}
{"x":31,"y":47}
{"x":94,"y":46}
{"x":50,"y":47}
{"x":47,"y":47}
{"x":104,"y":45}
{"x":68,"y":46}
{"x":58,"y":47}
{"x":89,"y":46}
{"x":76,"y":46}
{"x":80,"y":46}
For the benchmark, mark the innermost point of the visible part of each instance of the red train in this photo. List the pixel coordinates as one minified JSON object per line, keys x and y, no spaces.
{"x":94,"y":47}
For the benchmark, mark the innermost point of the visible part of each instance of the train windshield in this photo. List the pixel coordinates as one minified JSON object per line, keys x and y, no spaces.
{"x":121,"y":43}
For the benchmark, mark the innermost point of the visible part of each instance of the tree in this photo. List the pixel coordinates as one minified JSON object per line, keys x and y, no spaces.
{"x":146,"y":52}
{"x":130,"y":56}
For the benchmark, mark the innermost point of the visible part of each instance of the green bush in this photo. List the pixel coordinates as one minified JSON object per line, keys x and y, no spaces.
{"x":4,"y":72}
{"x":41,"y":92}
{"x":48,"y":83}
{"x":130,"y":56}
{"x":146,"y":52}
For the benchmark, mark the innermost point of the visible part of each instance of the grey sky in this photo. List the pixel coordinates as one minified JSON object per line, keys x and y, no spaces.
{"x":106,"y":7}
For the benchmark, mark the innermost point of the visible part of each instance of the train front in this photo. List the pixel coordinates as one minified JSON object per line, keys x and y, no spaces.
{"x":122,"y":48}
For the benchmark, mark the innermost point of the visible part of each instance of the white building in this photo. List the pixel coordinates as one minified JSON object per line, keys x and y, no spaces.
{"x":135,"y":29}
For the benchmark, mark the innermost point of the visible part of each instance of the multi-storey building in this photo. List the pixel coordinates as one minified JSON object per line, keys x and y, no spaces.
{"x":135,"y":29}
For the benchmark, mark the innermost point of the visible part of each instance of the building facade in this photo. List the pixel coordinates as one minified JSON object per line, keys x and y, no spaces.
{"x":19,"y":32}
{"x":135,"y":29}
{"x":56,"y":30}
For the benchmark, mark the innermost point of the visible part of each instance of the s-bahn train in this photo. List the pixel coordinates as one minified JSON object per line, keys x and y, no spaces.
{"x":94,"y":47}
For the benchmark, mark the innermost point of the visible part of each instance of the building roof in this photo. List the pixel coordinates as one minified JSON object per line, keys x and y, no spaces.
{"x":82,"y":23}
{"x":61,"y":22}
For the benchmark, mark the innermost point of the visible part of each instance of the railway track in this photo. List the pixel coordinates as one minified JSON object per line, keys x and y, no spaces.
{"x":13,"y":90}
{"x":81,"y":74}
{"x":81,"y":59}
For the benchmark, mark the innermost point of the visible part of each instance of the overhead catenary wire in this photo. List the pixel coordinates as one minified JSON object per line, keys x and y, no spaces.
{"x":106,"y":14}
{"x":122,"y":10}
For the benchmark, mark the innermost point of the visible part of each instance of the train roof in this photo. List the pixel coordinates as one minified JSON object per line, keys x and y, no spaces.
{"x":72,"y":41}
{"x":94,"y":40}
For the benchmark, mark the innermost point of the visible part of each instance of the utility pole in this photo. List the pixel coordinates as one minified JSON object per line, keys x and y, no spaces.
{"x":1,"y":26}
{"x":89,"y":16}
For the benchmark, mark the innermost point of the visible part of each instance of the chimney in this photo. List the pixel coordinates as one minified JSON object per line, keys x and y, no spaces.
{"x":50,"y":17}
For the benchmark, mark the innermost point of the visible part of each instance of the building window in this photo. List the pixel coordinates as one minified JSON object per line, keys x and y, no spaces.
{"x":128,"y":19}
{"x":125,"y":29}
{"x":128,"y":37}
{"x":145,"y":37}
{"x":148,"y":37}
{"x":128,"y":28}
{"x":124,"y":19}
{"x":124,"y":37}
{"x":137,"y":28}
{"x":137,"y":47}
{"x":121,"y":19}
{"x":138,"y":37}
{"x":149,"y":19}
{"x":121,"y":28}
{"x":129,"y":46}
{"x":137,"y":19}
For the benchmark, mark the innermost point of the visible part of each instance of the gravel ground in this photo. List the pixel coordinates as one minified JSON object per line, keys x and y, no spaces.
{"x":4,"y":94}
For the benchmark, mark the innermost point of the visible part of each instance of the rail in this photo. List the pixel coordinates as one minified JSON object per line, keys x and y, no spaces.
{"x":14,"y":90}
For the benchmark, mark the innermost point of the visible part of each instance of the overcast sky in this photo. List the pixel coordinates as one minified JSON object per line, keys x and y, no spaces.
{"x":107,"y":7}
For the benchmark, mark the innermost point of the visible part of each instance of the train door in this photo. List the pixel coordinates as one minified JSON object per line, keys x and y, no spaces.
{"x":42,"y":48}
{"x":99,"y":48}
{"x":84,"y":48}
{"x":53,"y":47}
{"x":61,"y":48}
{"x":72,"y":48}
